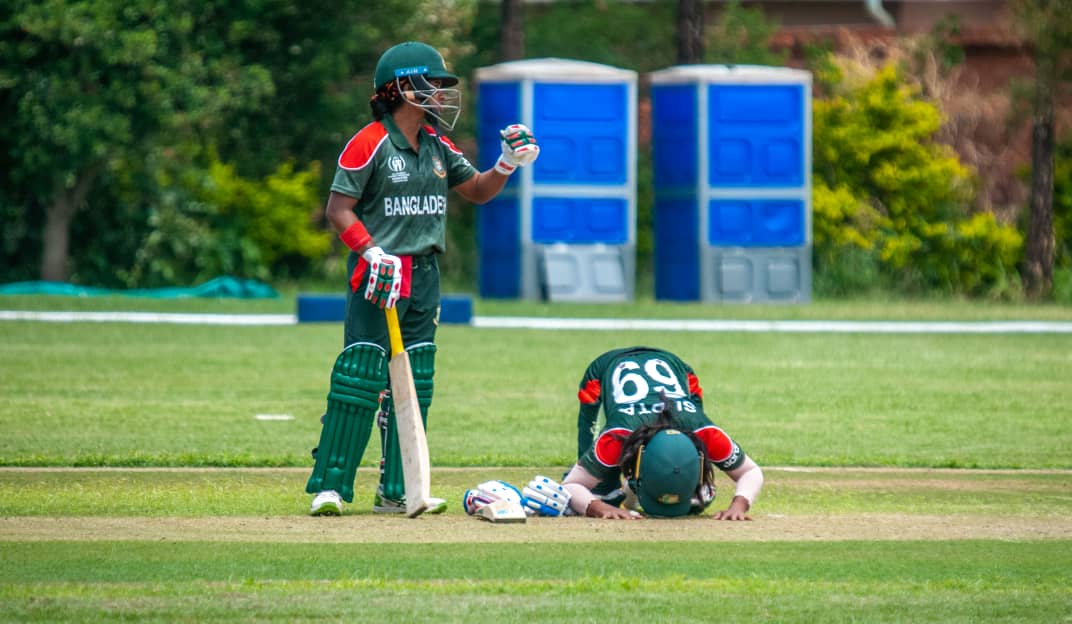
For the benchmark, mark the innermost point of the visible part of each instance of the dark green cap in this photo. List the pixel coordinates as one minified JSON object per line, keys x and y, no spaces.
{"x":409,"y":58}
{"x":668,"y":473}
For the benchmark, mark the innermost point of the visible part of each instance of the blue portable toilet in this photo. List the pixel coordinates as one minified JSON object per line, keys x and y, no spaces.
{"x":732,"y":175}
{"x":564,"y":228}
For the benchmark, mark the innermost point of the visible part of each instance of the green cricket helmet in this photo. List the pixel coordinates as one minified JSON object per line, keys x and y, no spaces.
{"x":667,"y":475}
{"x":420,"y":64}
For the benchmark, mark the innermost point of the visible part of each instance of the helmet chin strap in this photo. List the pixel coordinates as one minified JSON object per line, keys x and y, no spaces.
{"x":442,"y":104}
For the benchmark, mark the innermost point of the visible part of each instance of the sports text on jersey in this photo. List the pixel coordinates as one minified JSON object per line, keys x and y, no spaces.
{"x":639,"y":408}
{"x":415,"y":205}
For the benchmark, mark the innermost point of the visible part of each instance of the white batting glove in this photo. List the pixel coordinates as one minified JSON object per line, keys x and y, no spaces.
{"x":384,"y":278}
{"x":489,"y":492}
{"x":474,"y":499}
{"x":518,"y":148}
{"x":546,"y":497}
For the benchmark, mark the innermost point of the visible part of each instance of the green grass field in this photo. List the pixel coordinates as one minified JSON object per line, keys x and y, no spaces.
{"x":910,"y":478}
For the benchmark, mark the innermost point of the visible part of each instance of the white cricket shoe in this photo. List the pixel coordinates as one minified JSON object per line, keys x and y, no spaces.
{"x":326,"y":503}
{"x":383,"y":505}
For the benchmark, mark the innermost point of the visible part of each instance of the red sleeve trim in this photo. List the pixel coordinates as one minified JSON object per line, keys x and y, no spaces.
{"x":694,"y":386}
{"x":589,"y":394}
{"x":450,"y":145}
{"x":363,"y":146}
{"x":719,"y":445}
{"x":608,"y":447}
{"x":442,"y":139}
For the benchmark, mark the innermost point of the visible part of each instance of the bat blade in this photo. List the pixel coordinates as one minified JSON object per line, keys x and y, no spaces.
{"x":502,"y":512}
{"x":416,"y":465}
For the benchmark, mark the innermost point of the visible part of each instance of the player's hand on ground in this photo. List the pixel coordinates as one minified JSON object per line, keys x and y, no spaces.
{"x":546,"y":497}
{"x":384,"y":278}
{"x":519,"y":148}
{"x":599,"y":509}
{"x":738,"y":510}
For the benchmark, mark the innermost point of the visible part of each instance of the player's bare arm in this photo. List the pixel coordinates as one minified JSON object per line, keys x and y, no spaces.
{"x":579,"y":483}
{"x":519,"y":149}
{"x":340,"y":213}
{"x":482,"y":187}
{"x":748,"y":478}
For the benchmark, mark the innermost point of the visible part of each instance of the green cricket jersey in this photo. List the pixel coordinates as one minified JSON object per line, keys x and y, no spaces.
{"x":628,"y":384}
{"x":402,"y":194}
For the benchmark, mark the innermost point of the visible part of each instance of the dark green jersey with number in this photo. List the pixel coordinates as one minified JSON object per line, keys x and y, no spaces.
{"x":629,"y":385}
{"x":402,"y":194}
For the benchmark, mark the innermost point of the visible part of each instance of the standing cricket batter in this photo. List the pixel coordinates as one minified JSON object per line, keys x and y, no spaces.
{"x":388,"y":203}
{"x":656,"y":438}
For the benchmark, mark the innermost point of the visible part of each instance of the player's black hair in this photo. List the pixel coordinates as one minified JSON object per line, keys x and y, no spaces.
{"x":636,"y":440}
{"x":385,"y":101}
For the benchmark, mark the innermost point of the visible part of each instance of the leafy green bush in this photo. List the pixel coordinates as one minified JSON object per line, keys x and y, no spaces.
{"x":1062,"y":286}
{"x":883,"y":185}
{"x":186,"y":245}
{"x":275,"y":214}
{"x":1062,"y":223}
{"x":743,"y":36}
{"x":841,"y":220}
{"x":844,"y":233}
{"x":20,"y":239}
{"x":209,"y":221}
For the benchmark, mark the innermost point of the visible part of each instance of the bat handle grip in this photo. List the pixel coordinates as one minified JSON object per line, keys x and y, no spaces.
{"x":394,"y":332}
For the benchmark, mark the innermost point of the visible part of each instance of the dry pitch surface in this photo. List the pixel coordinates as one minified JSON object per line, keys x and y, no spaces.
{"x":455,"y":527}
{"x":462,"y":529}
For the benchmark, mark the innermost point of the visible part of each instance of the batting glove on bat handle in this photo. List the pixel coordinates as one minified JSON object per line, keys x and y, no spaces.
{"x":384,"y":278}
{"x":519,"y":148}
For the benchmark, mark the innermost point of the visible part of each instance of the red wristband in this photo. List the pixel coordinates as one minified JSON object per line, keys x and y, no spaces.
{"x":356,"y":236}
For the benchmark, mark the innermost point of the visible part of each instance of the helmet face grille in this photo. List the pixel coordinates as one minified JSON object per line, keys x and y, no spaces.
{"x":442,"y":104}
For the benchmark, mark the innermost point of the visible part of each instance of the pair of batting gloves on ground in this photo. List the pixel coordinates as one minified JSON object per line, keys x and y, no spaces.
{"x":540,"y":497}
{"x":384,"y":285}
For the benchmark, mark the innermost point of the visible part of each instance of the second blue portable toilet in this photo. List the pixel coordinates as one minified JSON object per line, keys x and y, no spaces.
{"x":564,"y":228}
{"x":732,"y":175}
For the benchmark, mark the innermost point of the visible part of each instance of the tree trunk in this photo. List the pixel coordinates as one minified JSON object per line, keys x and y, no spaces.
{"x":1040,"y":235}
{"x":512,"y":39}
{"x":690,"y":29}
{"x":58,"y":217}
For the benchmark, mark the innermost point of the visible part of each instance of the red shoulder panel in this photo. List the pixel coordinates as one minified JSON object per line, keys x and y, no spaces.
{"x":359,"y":152}
{"x":589,"y":394}
{"x":719,"y":446}
{"x":609,"y":446}
{"x":694,"y":386}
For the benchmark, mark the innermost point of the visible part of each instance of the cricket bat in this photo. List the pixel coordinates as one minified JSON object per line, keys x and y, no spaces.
{"x":502,"y":511}
{"x":416,"y":466}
